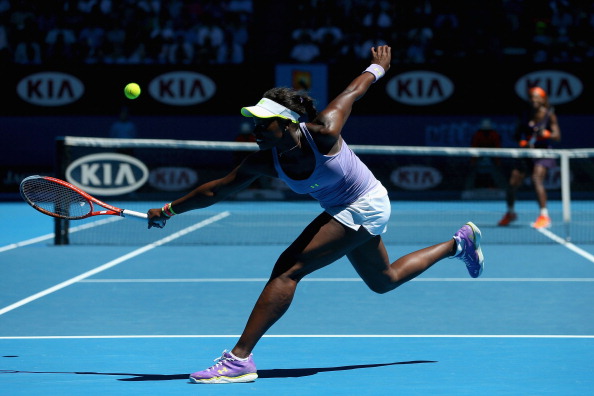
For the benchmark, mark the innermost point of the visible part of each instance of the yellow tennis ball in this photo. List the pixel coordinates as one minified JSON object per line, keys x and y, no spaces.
{"x":132,"y":91}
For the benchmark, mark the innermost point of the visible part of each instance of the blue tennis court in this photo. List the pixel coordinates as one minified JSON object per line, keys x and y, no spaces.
{"x":137,"y":318}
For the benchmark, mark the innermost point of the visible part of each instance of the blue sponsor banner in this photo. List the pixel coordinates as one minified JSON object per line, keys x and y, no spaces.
{"x":310,"y":78}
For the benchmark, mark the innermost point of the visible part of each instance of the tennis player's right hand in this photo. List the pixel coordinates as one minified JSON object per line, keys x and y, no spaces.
{"x":382,"y":55}
{"x":156,"y":218}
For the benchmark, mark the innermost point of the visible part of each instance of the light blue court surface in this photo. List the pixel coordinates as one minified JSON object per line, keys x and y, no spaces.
{"x":136,"y":319}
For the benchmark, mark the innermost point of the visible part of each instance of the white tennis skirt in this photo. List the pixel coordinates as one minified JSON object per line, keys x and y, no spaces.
{"x":371,"y":211}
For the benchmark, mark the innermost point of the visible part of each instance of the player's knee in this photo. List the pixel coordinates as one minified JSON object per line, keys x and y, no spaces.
{"x":381,"y":286}
{"x":383,"y":289}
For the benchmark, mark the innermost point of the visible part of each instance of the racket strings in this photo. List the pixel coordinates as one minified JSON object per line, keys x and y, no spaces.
{"x":54,"y":198}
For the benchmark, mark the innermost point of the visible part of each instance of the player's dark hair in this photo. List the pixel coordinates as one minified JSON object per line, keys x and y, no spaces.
{"x":298,"y":101}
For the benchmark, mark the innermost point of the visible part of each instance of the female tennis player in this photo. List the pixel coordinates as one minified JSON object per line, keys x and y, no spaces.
{"x":537,"y":128}
{"x":312,"y":158}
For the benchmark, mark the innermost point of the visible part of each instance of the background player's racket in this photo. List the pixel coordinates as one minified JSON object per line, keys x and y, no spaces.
{"x":57,"y":198}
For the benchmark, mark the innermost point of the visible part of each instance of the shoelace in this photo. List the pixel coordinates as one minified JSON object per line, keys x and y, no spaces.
{"x":220,"y":360}
{"x":465,"y":256}
{"x":467,"y":259}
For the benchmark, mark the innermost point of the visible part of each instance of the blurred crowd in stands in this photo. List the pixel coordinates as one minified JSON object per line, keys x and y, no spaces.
{"x":328,"y":31}
{"x":124,"y":31}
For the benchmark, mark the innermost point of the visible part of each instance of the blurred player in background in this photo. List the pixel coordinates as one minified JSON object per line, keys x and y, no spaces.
{"x":537,"y":128}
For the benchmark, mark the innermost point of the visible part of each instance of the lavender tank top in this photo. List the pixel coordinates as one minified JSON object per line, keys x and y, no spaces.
{"x":338,"y":179}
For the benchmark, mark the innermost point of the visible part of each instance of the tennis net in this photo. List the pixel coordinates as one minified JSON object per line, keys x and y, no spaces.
{"x":433,"y":191}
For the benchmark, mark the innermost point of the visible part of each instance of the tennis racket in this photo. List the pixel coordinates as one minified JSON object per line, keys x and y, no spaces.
{"x":57,"y":198}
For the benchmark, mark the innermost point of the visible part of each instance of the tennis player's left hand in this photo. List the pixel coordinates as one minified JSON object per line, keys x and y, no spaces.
{"x":382,"y":55}
{"x":156,"y":218}
{"x":544,"y":134}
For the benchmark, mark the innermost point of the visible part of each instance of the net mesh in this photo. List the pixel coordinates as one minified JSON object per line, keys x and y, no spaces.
{"x":434,"y":190}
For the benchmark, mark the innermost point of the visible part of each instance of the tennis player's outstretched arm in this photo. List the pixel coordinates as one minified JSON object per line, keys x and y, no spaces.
{"x":330,"y":121}
{"x":253,"y":166}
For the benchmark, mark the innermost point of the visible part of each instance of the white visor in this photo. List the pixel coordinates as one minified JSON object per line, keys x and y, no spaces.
{"x":267,"y":108}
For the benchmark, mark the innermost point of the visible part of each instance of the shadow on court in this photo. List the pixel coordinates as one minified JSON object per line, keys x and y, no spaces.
{"x":274,"y":373}
{"x":305,"y":372}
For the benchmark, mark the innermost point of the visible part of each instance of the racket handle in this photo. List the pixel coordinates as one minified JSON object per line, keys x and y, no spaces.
{"x":134,"y":215}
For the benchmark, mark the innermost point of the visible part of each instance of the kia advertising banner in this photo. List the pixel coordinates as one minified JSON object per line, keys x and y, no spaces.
{"x":406,"y":89}
{"x":99,"y":90}
{"x":111,"y":168}
{"x":182,"y":88}
{"x":425,"y":106}
{"x":111,"y":174}
{"x":420,"y":88}
{"x":107,"y":173}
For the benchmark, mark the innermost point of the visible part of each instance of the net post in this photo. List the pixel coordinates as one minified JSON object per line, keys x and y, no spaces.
{"x":61,"y":226}
{"x":566,"y":192}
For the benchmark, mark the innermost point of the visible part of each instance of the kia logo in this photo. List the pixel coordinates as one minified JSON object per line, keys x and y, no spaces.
{"x":50,"y":89}
{"x":416,"y":177}
{"x":420,"y":88}
{"x":107,"y":173}
{"x":182,"y":88}
{"x":561,"y":87}
{"x":169,"y":178}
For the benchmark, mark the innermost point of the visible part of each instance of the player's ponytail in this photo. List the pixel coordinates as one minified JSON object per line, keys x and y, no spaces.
{"x":310,"y":108}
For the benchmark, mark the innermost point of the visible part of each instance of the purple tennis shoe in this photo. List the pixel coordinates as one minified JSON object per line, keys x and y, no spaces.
{"x":468,"y":248}
{"x":228,"y":369}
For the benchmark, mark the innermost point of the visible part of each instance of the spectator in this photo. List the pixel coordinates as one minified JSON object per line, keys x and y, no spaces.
{"x":305,"y":28}
{"x":305,"y":50}
{"x":230,"y":51}
{"x":115,"y":40}
{"x":92,"y":41}
{"x":419,"y":44}
{"x":542,"y":41}
{"x":4,"y":7}
{"x":485,"y":137}
{"x":242,"y":7}
{"x":181,"y":51}
{"x":378,"y":18}
{"x":5,"y":53}
{"x":123,"y":128}
{"x":25,"y":36}
{"x":212,"y":32}
{"x":61,"y":43}
{"x":209,"y":38}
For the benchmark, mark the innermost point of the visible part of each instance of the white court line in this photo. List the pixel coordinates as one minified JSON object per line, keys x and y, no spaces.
{"x":26,"y":242}
{"x":559,"y":336}
{"x":567,"y":244}
{"x":222,"y":280}
{"x":45,"y":237}
{"x":115,"y":262}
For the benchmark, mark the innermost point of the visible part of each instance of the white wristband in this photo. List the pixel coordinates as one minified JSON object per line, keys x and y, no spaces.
{"x":376,"y":70}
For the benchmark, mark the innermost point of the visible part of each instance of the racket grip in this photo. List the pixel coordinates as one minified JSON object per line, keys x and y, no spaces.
{"x":134,"y":215}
